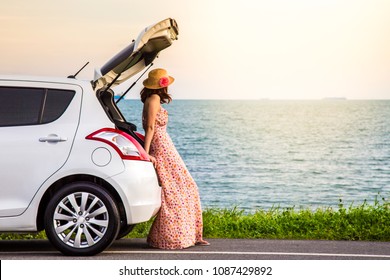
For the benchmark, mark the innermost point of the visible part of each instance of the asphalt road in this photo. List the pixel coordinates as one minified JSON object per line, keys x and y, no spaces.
{"x":220,"y":249}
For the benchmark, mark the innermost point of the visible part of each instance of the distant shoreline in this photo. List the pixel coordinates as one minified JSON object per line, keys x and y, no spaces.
{"x":334,"y":98}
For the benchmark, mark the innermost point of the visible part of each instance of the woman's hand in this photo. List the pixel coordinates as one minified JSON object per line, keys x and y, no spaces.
{"x":153,"y":160}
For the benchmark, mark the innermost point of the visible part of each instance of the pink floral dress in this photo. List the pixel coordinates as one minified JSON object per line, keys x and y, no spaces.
{"x":179,"y":222}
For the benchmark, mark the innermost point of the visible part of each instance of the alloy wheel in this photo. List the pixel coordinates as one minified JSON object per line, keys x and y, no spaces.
{"x":82,"y":219}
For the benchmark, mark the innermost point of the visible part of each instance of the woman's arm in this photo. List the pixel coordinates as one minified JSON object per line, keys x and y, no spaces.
{"x":151,"y":108}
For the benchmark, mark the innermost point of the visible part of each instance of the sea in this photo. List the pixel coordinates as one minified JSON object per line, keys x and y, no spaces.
{"x":264,"y":154}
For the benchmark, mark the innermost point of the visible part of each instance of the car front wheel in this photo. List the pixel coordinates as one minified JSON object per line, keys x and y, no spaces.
{"x":81,"y":219}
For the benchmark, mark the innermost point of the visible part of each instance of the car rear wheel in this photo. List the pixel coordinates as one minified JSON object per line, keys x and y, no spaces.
{"x":81,"y":219}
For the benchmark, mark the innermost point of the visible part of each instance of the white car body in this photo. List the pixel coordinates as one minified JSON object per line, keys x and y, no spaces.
{"x":84,"y":144}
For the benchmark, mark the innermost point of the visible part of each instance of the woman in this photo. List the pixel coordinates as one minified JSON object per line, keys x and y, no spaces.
{"x":179,"y":222}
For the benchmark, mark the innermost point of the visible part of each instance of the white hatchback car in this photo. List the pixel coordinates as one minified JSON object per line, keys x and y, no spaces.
{"x":70,"y":163}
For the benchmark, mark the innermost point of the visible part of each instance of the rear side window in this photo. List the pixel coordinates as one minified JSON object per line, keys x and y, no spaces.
{"x":56,"y":103}
{"x":31,"y":106}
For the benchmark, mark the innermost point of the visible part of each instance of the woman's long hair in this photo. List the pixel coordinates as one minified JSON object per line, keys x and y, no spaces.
{"x":162,"y":92}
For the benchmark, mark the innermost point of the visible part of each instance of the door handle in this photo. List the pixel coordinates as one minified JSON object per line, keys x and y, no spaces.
{"x":52,"y":138}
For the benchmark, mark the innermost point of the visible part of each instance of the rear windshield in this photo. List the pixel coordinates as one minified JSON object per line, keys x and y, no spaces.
{"x":31,"y":106}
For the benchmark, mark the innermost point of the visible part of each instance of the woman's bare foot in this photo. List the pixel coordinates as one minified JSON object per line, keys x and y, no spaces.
{"x":202,"y":243}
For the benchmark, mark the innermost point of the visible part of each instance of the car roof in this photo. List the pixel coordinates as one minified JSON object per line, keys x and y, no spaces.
{"x":43,"y":79}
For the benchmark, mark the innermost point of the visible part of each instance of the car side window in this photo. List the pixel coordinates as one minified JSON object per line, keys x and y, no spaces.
{"x":32,"y":106}
{"x":55,"y":104}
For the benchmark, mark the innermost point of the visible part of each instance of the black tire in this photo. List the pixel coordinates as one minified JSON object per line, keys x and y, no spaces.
{"x":81,"y":219}
{"x":124,"y":230}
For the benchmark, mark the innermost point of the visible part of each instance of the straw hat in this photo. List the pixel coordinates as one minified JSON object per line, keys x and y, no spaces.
{"x":158,"y":78}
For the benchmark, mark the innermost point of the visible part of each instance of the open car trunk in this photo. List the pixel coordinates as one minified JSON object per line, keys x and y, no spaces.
{"x":130,"y":61}
{"x":139,"y":54}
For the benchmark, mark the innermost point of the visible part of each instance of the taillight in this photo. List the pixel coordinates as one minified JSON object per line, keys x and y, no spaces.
{"x":126,"y":146}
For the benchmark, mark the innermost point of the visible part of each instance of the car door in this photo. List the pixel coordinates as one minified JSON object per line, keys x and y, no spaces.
{"x":38,"y":122}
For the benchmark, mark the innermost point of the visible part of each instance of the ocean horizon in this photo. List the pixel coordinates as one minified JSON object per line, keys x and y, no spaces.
{"x":260,"y":154}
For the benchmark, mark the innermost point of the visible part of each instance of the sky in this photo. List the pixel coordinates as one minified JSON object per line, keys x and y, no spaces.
{"x":227,"y":49}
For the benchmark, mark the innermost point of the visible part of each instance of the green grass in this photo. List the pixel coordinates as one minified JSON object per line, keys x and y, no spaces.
{"x":364,"y":222}
{"x":355,"y":223}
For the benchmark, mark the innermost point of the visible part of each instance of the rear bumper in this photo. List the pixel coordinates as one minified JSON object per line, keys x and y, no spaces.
{"x":139,"y":189}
